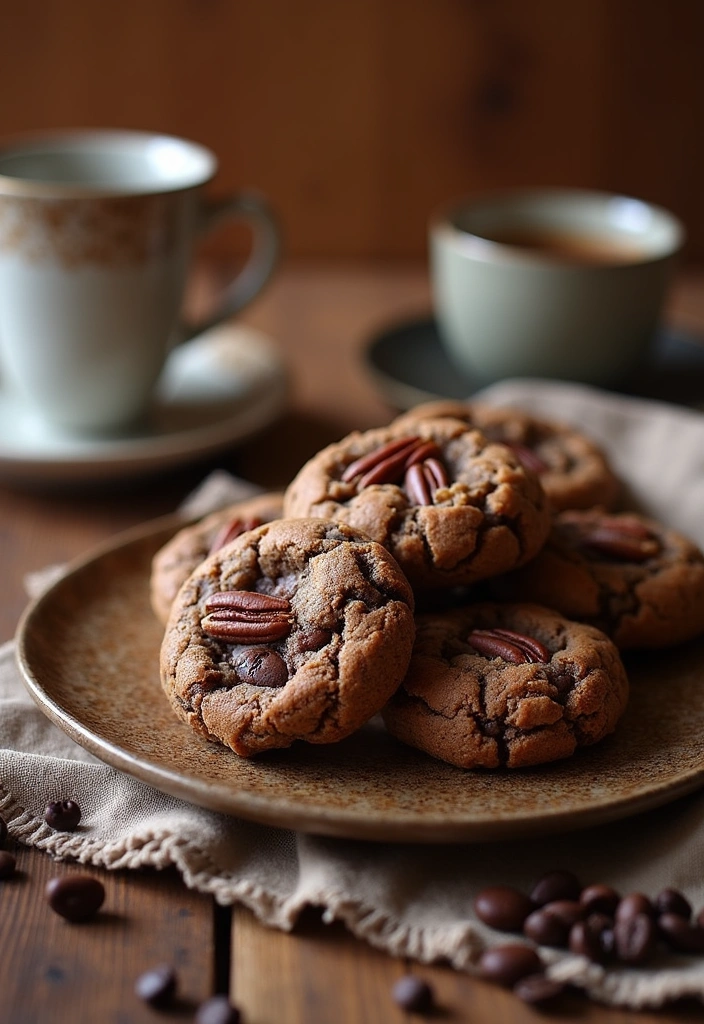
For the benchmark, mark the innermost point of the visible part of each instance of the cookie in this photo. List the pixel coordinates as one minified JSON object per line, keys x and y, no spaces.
{"x":175,"y":562}
{"x":573,"y":470}
{"x":637,"y":580}
{"x":450,"y":505}
{"x":297,"y":630}
{"x":493,"y":685}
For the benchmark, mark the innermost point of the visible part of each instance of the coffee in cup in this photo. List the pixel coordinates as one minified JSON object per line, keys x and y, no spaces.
{"x":551,"y":283}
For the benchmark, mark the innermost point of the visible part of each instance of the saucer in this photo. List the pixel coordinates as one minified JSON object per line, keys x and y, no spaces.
{"x":214,"y":391}
{"x":409,"y":365}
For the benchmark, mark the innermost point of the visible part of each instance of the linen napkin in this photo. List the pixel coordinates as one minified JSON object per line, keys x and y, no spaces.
{"x":411,"y":900}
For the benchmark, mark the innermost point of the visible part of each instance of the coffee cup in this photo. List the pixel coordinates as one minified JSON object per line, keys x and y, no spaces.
{"x":97,"y":231}
{"x":551,"y":283}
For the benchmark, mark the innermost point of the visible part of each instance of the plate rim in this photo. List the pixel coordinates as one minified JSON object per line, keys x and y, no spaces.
{"x":278,"y":812}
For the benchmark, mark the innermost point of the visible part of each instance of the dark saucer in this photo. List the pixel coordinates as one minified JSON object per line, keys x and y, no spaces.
{"x":409,"y":365}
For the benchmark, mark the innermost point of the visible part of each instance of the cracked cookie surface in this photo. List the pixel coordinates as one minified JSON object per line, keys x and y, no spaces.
{"x":465,"y":509}
{"x":637,"y":580}
{"x":296,"y":630}
{"x":573,"y":470}
{"x":478,"y":703}
{"x":175,"y":562}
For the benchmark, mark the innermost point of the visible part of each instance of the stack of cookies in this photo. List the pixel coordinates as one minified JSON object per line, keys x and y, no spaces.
{"x":462,"y":571}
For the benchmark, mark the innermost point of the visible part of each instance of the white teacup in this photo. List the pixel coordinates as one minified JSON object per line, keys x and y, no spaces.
{"x":97,"y":230}
{"x":551,"y":282}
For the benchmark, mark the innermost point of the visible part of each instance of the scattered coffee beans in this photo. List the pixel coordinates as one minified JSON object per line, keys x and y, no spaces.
{"x":7,"y":864}
{"x":157,"y":986}
{"x":3,"y":831}
{"x":545,"y":928}
{"x":599,"y":899}
{"x":568,"y":911}
{"x":75,"y":897}
{"x":413,"y":994}
{"x":671,"y":901}
{"x":218,"y":1010}
{"x":634,"y":903}
{"x":594,"y":922}
{"x":635,"y":938}
{"x":586,"y":940}
{"x":680,"y":935}
{"x":538,"y":990}
{"x":63,"y":815}
{"x":503,"y":907}
{"x":506,"y":965}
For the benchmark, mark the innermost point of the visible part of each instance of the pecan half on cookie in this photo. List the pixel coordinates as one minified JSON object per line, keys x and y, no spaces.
{"x":297,"y":630}
{"x":507,"y":685}
{"x":450,"y":505}
{"x":174,"y":563}
{"x":637,"y":580}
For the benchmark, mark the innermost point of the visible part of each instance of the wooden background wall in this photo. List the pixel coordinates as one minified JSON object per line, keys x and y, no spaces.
{"x":359,"y":117}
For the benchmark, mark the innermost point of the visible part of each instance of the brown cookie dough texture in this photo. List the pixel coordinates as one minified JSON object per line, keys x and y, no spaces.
{"x":476,"y":708}
{"x":637,"y":580}
{"x":483,"y":511}
{"x":297,"y":630}
{"x":573,"y":470}
{"x":175,"y":562}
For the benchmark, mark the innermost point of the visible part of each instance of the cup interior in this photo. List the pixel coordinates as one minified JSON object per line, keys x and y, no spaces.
{"x":106,"y":161}
{"x":567,"y":225}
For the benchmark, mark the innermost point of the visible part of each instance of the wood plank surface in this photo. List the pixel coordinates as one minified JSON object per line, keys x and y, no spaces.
{"x":53,"y":971}
{"x":322,"y":973}
{"x":358,"y":118}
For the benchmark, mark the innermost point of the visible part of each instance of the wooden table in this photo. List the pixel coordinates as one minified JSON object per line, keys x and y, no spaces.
{"x":52,"y":972}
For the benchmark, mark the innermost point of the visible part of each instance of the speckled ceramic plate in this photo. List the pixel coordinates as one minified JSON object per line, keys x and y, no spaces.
{"x":89,"y":649}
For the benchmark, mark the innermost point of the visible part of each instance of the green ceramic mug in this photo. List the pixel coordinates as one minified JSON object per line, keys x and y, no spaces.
{"x":551,"y":282}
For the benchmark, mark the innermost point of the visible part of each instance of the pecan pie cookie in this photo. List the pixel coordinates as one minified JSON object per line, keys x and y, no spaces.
{"x":297,"y":630}
{"x":175,"y":562}
{"x":494,"y":685}
{"x":574,"y":472}
{"x":450,"y":505}
{"x":637,"y":580}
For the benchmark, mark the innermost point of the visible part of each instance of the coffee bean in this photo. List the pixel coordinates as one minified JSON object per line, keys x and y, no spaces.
{"x":599,"y":899}
{"x":585,"y":940}
{"x":635,"y":938}
{"x":538,"y":990}
{"x":75,"y":897}
{"x":157,"y":986}
{"x":671,"y":901}
{"x":568,"y":911}
{"x":503,"y":907}
{"x":218,"y":1010}
{"x":3,"y":831}
{"x":603,"y":926}
{"x":261,"y":666}
{"x":555,"y":885}
{"x":506,"y":965}
{"x":63,"y":815}
{"x":680,"y":935}
{"x":634,"y":903}
{"x":413,"y":994}
{"x":7,"y":864}
{"x":545,"y":928}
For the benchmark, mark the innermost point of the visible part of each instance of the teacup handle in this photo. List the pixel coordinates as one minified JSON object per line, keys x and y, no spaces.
{"x":262,"y":260}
